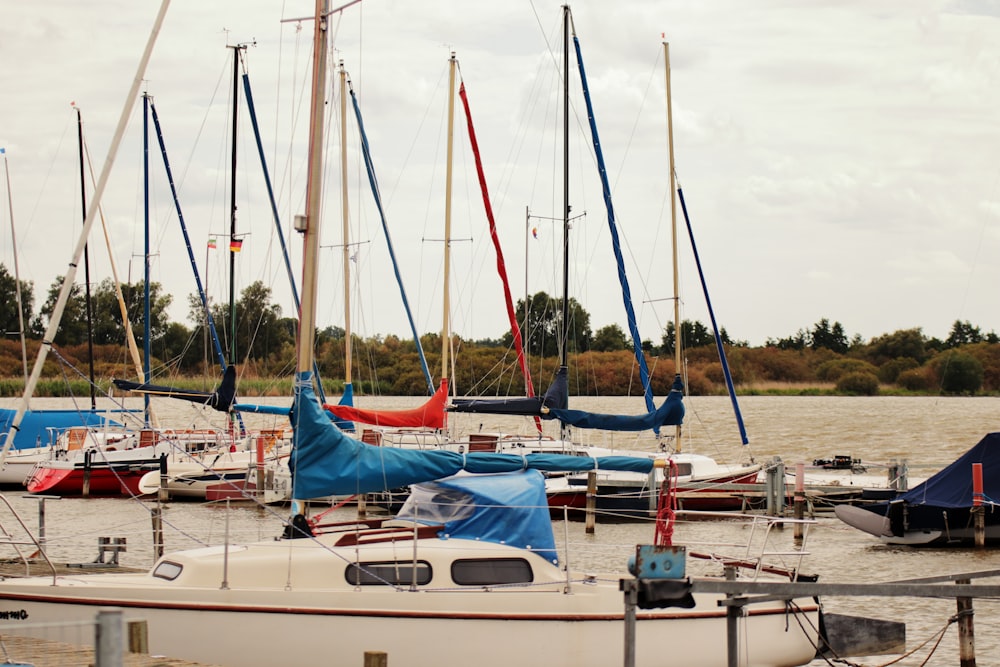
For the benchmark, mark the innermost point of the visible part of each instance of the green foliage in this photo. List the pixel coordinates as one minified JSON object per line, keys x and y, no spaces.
{"x":958,"y":372}
{"x":10,"y":323}
{"x":858,"y":383}
{"x":829,"y":337}
{"x":963,"y":333}
{"x":890,"y":370}
{"x":609,"y":339}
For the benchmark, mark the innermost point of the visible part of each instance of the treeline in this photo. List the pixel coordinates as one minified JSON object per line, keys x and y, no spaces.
{"x":819,"y":359}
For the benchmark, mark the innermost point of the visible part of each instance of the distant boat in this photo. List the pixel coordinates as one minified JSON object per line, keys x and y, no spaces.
{"x":937,"y":512}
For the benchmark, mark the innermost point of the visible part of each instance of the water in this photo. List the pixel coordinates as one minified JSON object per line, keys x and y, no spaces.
{"x":928,"y":432}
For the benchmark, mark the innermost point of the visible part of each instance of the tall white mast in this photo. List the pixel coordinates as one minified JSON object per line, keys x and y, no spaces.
{"x":102,"y":181}
{"x":673,"y":231}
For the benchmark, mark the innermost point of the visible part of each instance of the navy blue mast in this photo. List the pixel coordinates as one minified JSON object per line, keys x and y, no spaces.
{"x":615,"y":242}
{"x":274,"y":212}
{"x":370,"y":169}
{"x":187,"y":244}
{"x":715,"y":327}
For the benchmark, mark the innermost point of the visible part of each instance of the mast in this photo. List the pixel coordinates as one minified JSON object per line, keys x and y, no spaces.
{"x":86,"y":268}
{"x":346,"y":228}
{"x":102,"y":181}
{"x":146,"y":343}
{"x":564,"y":334}
{"x":309,"y":224}
{"x":446,"y":323}
{"x":17,"y":269}
{"x":232,"y":208}
{"x":673,"y":233}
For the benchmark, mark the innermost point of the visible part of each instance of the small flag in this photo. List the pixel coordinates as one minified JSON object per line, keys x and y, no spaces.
{"x":534,"y":232}
{"x":235,"y":245}
{"x":211,"y":243}
{"x":2,"y":151}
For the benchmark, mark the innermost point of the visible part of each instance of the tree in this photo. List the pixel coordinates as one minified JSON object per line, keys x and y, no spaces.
{"x":543,"y":329}
{"x":9,"y":322}
{"x":902,"y":344}
{"x":959,"y":373}
{"x":73,"y":323}
{"x":829,"y":337}
{"x":609,"y":339}
{"x":109,"y":328}
{"x":962,"y":333}
{"x":260,"y":329}
{"x":693,"y":334}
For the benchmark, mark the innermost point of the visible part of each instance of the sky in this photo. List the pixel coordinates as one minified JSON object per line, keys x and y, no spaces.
{"x":837,"y":158}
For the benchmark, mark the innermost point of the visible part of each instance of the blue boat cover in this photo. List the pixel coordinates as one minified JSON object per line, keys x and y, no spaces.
{"x":36,"y":424}
{"x":952,"y":486}
{"x":555,"y":397}
{"x":671,"y":412}
{"x":324,"y":461}
{"x":509,"y":508}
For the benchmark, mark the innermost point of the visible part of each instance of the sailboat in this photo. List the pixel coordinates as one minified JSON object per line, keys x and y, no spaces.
{"x":39,"y":431}
{"x":617,"y":492}
{"x":471,"y":558}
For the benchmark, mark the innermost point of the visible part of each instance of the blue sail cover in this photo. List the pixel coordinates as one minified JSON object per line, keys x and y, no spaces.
{"x":670,"y":413}
{"x":556,"y":397}
{"x":324,"y":461}
{"x":508,"y":508}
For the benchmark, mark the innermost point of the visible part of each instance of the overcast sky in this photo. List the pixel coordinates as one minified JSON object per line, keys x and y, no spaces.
{"x":838,"y":159}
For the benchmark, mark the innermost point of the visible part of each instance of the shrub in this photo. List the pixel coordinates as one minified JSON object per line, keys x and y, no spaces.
{"x":959,"y":372}
{"x":834,"y":369}
{"x":916,"y":379}
{"x":859,"y":383}
{"x":890,"y":370}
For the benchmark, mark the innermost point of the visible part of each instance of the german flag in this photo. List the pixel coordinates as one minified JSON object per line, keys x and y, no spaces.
{"x":235,"y":245}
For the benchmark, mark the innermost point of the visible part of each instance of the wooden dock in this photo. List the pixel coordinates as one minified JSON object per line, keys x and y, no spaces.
{"x":49,"y":653}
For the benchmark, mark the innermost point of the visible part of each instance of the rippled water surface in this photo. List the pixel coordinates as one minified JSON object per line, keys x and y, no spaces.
{"x":927,"y":432}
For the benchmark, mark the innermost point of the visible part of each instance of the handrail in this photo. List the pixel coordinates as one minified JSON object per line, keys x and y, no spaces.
{"x":38,"y":546}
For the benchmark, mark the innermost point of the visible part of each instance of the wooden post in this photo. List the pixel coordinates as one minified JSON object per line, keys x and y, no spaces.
{"x":376,"y":659}
{"x":591,"y":501}
{"x":87,"y":463}
{"x":363,"y":505}
{"x":260,"y":467}
{"x":800,"y":497}
{"x":156,"y":516}
{"x":966,"y":630}
{"x":138,"y":637}
{"x":978,"y":516}
{"x":164,"y":494}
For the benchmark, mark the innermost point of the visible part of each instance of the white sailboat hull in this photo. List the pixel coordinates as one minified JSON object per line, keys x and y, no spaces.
{"x":257,"y":612}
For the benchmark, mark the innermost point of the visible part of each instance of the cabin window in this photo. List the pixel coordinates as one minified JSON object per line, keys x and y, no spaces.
{"x":491,"y":571}
{"x":168,"y":570}
{"x":389,"y":572}
{"x":683,"y":469}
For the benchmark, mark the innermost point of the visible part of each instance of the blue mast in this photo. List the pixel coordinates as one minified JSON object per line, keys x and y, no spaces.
{"x":187,"y":244}
{"x":715,"y":328}
{"x":370,"y":169}
{"x":615,"y":242}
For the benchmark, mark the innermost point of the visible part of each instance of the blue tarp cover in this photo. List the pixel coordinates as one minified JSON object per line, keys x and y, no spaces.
{"x":35,"y":424}
{"x":325,"y":461}
{"x":510,"y":508}
{"x":952,"y":486}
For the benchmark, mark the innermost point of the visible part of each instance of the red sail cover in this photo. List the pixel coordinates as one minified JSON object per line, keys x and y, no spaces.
{"x":429,"y":415}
